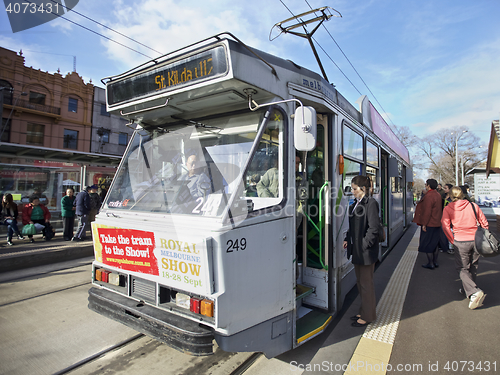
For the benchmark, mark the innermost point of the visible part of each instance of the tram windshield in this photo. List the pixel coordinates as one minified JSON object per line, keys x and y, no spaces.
{"x":195,"y":168}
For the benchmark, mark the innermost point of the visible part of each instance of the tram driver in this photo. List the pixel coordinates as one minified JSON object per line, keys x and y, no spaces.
{"x":195,"y":185}
{"x":198,"y":183}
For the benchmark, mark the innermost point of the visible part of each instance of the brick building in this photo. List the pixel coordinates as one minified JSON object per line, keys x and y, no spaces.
{"x":46,"y":133}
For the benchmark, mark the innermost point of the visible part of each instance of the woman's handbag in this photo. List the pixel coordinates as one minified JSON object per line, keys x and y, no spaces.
{"x":381,"y":231}
{"x":29,"y":229}
{"x":486,"y":244}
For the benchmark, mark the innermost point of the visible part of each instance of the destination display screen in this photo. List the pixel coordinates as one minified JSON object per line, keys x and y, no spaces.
{"x":202,"y":66}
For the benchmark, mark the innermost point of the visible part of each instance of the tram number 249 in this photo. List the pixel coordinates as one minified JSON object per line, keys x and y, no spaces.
{"x":236,"y":245}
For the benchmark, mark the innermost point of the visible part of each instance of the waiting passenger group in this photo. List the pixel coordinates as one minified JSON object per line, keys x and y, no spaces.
{"x":443,"y":216}
{"x":85,"y":206}
{"x":451,"y":216}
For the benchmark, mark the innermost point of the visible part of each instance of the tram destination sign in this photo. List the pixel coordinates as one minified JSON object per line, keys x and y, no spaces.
{"x":203,"y":66}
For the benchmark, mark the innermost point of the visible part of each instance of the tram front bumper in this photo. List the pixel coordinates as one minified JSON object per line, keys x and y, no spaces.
{"x":175,"y":331}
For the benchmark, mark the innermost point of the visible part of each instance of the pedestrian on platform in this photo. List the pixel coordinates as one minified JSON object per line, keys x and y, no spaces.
{"x":82,"y":204}
{"x":361,"y":242}
{"x":428,"y":215}
{"x":444,"y":245}
{"x":447,"y":199}
{"x":68,"y":214}
{"x":441,"y":190}
{"x":8,"y":217}
{"x":35,"y":212}
{"x":95,"y":203}
{"x":460,"y":214}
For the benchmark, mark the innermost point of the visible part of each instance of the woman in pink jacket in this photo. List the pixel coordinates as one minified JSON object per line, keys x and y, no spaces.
{"x":460,"y":216}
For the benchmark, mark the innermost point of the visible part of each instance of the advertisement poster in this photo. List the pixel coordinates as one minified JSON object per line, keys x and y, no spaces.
{"x":181,"y":263}
{"x":487,"y":190}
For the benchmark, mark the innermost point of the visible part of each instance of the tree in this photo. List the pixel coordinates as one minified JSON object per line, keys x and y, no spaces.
{"x":418,"y":186}
{"x":405,"y":135}
{"x":439,"y":151}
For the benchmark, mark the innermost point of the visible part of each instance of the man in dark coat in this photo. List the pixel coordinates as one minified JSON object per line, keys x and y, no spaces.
{"x":82,"y":204}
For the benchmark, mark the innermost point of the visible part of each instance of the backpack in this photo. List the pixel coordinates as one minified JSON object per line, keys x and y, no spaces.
{"x":381,"y":232}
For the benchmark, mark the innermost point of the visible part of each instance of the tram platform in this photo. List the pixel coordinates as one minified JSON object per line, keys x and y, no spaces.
{"x":24,"y":254}
{"x":423,"y":326}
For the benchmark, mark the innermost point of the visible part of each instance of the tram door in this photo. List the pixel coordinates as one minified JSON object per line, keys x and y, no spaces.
{"x":312,"y":286}
{"x":384,"y":196}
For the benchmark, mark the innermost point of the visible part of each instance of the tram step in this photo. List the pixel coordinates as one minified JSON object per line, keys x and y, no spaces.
{"x":311,"y":325}
{"x":302,"y":291}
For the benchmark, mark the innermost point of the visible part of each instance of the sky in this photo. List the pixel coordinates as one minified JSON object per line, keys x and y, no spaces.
{"x":427,"y":64}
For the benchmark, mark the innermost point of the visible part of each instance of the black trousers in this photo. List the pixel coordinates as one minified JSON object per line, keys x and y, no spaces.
{"x":366,"y":288}
{"x":68,"y":227}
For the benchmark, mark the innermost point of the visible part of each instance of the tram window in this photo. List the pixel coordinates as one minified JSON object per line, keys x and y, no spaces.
{"x":373,"y":174}
{"x":351,"y":170}
{"x":395,"y":184}
{"x":195,"y":169}
{"x":371,"y":154}
{"x":264,"y":176}
{"x":353,"y":143}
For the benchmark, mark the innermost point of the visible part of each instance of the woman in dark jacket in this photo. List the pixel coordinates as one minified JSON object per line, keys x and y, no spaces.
{"x":361,"y":242}
{"x":9,"y":217}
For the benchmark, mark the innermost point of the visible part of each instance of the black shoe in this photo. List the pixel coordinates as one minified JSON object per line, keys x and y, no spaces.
{"x":356,"y":324}
{"x":428,"y":266}
{"x":436,"y":265}
{"x":355,"y":317}
{"x":32,"y":240}
{"x":10,"y":243}
{"x":20,"y":237}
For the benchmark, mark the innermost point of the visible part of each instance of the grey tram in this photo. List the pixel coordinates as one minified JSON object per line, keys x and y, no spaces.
{"x":226,"y":216}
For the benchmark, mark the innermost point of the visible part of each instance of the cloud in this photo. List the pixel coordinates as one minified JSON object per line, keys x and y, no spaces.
{"x":464,"y":92}
{"x":167,"y":25}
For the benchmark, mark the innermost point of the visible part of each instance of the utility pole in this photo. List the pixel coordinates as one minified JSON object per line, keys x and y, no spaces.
{"x":456,"y":157}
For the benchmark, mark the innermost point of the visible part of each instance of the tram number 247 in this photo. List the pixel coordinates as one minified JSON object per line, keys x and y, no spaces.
{"x":236,"y":245}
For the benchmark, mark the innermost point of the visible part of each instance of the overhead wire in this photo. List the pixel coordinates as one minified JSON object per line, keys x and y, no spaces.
{"x":142,"y":44}
{"x":109,"y":28}
{"x":95,"y":32}
{"x":298,"y":20}
{"x":348,"y":60}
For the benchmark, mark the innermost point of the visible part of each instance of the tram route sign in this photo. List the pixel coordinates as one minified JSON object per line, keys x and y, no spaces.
{"x":169,"y":76}
{"x":25,"y":14}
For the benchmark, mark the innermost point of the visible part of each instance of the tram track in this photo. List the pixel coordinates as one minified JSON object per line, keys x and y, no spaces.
{"x":44,"y":294}
{"x":205,"y":365}
{"x":100,"y":354}
{"x":39,"y":274}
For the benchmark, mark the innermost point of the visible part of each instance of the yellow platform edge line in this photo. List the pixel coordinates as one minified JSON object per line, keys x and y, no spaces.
{"x":371,"y":356}
{"x":312,"y":333}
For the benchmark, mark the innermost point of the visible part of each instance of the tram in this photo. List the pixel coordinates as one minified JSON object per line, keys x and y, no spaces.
{"x":225,"y":219}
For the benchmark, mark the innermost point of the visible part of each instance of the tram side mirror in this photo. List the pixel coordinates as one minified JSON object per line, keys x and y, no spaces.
{"x":347,"y":190}
{"x":305,"y":128}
